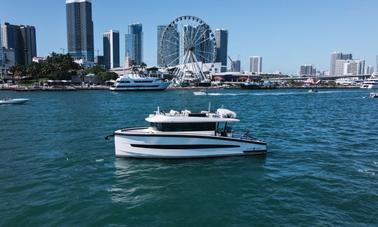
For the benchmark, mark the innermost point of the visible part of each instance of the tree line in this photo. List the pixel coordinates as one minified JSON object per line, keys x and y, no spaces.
{"x":58,"y":67}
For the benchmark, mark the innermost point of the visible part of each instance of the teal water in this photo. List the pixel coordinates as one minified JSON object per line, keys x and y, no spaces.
{"x":322,"y":168}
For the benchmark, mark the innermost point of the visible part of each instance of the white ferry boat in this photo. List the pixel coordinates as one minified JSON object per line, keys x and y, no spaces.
{"x":186,"y":135}
{"x":137,"y":82}
{"x":370,"y":83}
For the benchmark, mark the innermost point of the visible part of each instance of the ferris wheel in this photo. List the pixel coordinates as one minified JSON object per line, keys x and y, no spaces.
{"x":188,"y":43}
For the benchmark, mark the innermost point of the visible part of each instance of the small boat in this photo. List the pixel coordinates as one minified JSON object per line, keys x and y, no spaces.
{"x":138,"y":82}
{"x":312,"y":90}
{"x":186,"y":135}
{"x":13,"y":101}
{"x":373,"y":95}
{"x":201,"y":92}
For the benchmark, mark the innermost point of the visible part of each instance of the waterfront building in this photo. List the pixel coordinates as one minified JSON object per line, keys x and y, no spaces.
{"x":376,"y":64}
{"x":255,"y":64}
{"x":30,"y":44}
{"x":1,"y":48}
{"x":349,"y":67}
{"x":99,"y":60}
{"x":221,"y":39}
{"x":111,"y":49}
{"x":134,"y":44}
{"x":369,"y":70}
{"x":337,"y":56}
{"x":236,"y":66}
{"x":80,"y":29}
{"x":173,"y":46}
{"x":307,"y":70}
{"x":22,"y":40}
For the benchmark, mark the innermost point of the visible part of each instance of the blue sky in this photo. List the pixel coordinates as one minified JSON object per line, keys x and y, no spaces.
{"x":285,"y":33}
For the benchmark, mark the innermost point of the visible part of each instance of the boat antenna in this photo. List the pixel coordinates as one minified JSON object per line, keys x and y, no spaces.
{"x":158,"y":110}
{"x":209,"y":107}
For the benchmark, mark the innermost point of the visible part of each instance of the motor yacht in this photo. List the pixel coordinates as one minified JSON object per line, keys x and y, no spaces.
{"x":138,"y":82}
{"x":13,"y":101}
{"x":186,"y":135}
{"x":370,"y":83}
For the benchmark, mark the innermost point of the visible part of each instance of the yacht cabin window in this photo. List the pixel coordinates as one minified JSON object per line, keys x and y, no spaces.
{"x":177,"y":127}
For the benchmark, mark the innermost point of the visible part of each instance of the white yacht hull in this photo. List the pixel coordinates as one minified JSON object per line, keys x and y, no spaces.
{"x":369,"y":86}
{"x":183,"y":146}
{"x":151,"y":87}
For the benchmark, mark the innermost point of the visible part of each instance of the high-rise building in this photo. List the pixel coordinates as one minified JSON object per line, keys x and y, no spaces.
{"x":307,"y":70}
{"x":22,"y":40}
{"x":111,"y":49}
{"x":369,"y":70}
{"x":134,"y":44}
{"x":80,"y":29}
{"x":337,"y":56}
{"x":376,"y":64}
{"x":1,"y":48}
{"x":30,"y":44}
{"x":349,"y":67}
{"x":255,"y":64}
{"x":235,"y":66}
{"x":221,"y":39}
{"x":160,"y":30}
{"x":172,"y":46}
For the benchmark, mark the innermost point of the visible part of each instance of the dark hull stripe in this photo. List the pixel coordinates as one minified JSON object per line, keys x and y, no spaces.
{"x":183,"y":146}
{"x":254,"y":151}
{"x":138,"y":156}
{"x":194,"y":136}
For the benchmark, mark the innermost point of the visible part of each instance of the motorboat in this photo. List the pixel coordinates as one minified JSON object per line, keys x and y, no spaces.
{"x":370,"y":83}
{"x":251,"y":85}
{"x":138,"y":82}
{"x":201,"y":92}
{"x":187,"y":135}
{"x":13,"y":101}
{"x":373,"y":95}
{"x":312,"y":90}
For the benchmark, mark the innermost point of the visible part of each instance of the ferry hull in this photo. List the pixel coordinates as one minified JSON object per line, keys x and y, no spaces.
{"x":155,"y":87}
{"x":184,"y":146}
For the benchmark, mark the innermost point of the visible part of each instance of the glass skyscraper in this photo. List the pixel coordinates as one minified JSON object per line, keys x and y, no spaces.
{"x":22,"y":40}
{"x":160,"y":30}
{"x":221,"y":39}
{"x":134,"y":44}
{"x":111,"y":49}
{"x":80,"y":29}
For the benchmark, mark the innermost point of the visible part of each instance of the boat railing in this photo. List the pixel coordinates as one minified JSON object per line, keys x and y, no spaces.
{"x":246,"y":135}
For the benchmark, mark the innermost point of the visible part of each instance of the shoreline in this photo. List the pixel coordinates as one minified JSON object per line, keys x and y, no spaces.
{"x":21,"y":88}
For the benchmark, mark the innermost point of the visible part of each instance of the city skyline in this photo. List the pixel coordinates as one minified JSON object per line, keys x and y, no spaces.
{"x":277,"y":35}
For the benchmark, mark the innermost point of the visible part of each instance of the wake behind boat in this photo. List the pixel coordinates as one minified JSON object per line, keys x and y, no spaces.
{"x":12,"y":101}
{"x":186,"y":135}
{"x":137,"y":82}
